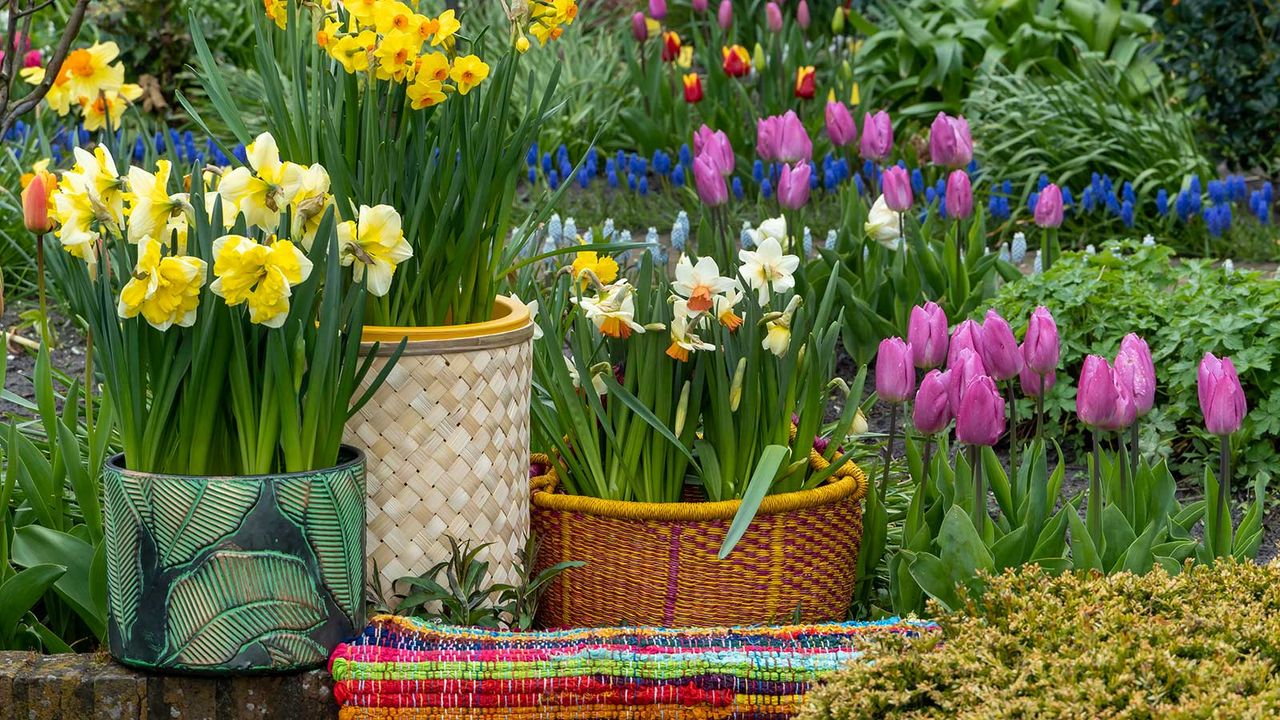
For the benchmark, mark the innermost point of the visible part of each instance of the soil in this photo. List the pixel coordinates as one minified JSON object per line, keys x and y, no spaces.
{"x":67,"y":355}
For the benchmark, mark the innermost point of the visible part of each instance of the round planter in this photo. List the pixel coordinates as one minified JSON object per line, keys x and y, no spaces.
{"x":658,"y":564}
{"x":261,"y":573}
{"x":448,"y":439}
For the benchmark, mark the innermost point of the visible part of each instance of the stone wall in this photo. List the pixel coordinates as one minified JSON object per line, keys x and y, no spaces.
{"x":75,"y":687}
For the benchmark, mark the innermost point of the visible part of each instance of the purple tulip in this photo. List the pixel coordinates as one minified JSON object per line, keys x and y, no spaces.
{"x":793,"y":186}
{"x":877,"y":136}
{"x":1000,"y":352}
{"x":724,"y":15}
{"x":657,"y":9}
{"x":1138,"y":371}
{"x":708,"y":181}
{"x":896,"y":185}
{"x":767,"y":138}
{"x":773,"y":16}
{"x":1102,"y":401}
{"x":639,"y":27}
{"x":840,"y":127}
{"x":967,"y":335}
{"x":932,"y":409}
{"x":967,"y":368}
{"x":895,"y":375}
{"x":980,"y":416}
{"x":1040,"y":346}
{"x":793,"y":143}
{"x":950,"y":144}
{"x":927,"y":335}
{"x":715,"y":145}
{"x":1221,"y":396}
{"x":699,"y":6}
{"x":959,"y":195}
{"x":1049,"y":207}
{"x":802,"y":14}
{"x":1034,"y":384}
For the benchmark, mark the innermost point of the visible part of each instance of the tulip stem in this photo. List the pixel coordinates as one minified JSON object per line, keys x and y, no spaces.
{"x":1013,"y":423}
{"x":1224,"y":481}
{"x":928,"y":459}
{"x":1094,"y":510}
{"x":979,"y":491}
{"x":44,"y":310}
{"x":1040,"y":410}
{"x":888,"y":450}
{"x":1133,"y":454}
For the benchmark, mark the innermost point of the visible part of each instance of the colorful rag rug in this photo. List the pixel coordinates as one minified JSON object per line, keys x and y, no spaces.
{"x":406,"y":668}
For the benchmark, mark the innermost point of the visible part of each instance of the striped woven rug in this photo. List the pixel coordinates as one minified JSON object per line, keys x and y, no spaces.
{"x":405,"y":668}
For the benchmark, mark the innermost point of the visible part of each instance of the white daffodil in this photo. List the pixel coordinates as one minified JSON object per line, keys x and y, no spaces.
{"x":766,"y":269}
{"x":612,"y":311}
{"x":597,"y":382}
{"x":883,"y":225}
{"x":533,"y":315}
{"x":700,"y":283}
{"x":683,"y":339}
{"x":724,"y":308}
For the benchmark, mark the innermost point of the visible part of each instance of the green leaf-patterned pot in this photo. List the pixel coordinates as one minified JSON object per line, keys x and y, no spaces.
{"x":234,"y":574}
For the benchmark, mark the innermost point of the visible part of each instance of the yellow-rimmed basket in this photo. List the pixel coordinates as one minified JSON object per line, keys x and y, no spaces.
{"x":658,"y":564}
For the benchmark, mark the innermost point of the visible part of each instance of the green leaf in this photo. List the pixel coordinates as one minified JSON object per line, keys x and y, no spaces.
{"x":1084,"y":553}
{"x":962,"y":549}
{"x":35,"y":545}
{"x":934,"y":578}
{"x":21,"y":592}
{"x":772,"y":460}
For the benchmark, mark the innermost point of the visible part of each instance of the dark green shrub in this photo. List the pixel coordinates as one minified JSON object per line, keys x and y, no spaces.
{"x":1204,"y":643}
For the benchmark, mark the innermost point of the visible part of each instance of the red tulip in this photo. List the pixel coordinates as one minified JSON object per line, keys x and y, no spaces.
{"x":692,"y":88}
{"x":670,"y":46}
{"x":737,"y":61}
{"x":806,"y":82}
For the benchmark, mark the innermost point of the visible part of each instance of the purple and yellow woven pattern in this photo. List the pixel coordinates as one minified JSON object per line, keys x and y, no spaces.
{"x":405,"y":668}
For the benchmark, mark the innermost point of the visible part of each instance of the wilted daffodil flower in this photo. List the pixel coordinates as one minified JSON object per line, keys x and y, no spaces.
{"x":261,"y":275}
{"x":374,"y":245}
{"x":164,"y":290}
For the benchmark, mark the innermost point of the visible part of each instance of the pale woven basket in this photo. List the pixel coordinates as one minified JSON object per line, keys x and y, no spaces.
{"x":447,"y":441}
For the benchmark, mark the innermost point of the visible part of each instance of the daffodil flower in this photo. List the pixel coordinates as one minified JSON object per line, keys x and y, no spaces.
{"x":90,"y":71}
{"x":724,"y":309}
{"x":396,"y":53}
{"x":767,"y":270}
{"x":604,"y":268}
{"x":77,"y":221}
{"x":164,"y":290}
{"x":374,"y":245}
{"x":612,"y":311}
{"x":102,"y":183}
{"x":533,"y":315}
{"x":446,"y":26}
{"x":883,"y":224}
{"x":393,"y":15}
{"x":468,"y":72}
{"x":263,"y":276}
{"x":105,"y":109}
{"x":152,"y":205}
{"x":700,"y":283}
{"x":777,"y":339}
{"x":683,"y":339}
{"x":257,"y":190}
{"x":306,"y":189}
{"x":597,"y":382}
{"x":352,"y":51}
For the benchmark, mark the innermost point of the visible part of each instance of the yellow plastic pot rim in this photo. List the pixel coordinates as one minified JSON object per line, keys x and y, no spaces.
{"x":508,"y":314}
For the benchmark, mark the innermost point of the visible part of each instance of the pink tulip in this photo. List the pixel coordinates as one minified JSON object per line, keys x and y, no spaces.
{"x":895,"y":183}
{"x":793,"y":186}
{"x":1138,"y":371}
{"x":1040,"y":347}
{"x":932,"y":409}
{"x":1000,"y":352}
{"x":840,"y":127}
{"x":967,"y":335}
{"x":1034,"y":384}
{"x":877,"y":136}
{"x":639,"y":27}
{"x":715,"y":145}
{"x":1049,"y":207}
{"x":950,"y":144}
{"x":927,"y":335}
{"x":1221,"y":396}
{"x":708,"y":181}
{"x":793,"y":143}
{"x":33,"y":59}
{"x":699,"y":6}
{"x":802,"y":15}
{"x":967,"y":368}
{"x":657,"y":9}
{"x":724,"y":15}
{"x":767,"y":138}
{"x":895,"y":375}
{"x":980,"y":416}
{"x":959,"y":195}
{"x":1102,"y":401}
{"x":773,"y":16}
{"x":35,"y":205}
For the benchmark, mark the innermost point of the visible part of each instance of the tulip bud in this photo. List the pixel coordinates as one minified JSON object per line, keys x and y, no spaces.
{"x":35,"y":205}
{"x":895,"y":374}
{"x":670,"y":46}
{"x":896,"y":184}
{"x":793,"y":186}
{"x":692,"y":88}
{"x":840,"y":127}
{"x":1048,"y":212}
{"x":792,"y":141}
{"x":877,"y":136}
{"x":657,"y":9}
{"x":773,"y":16}
{"x":33,"y":58}
{"x":950,"y":143}
{"x":932,"y":410}
{"x":1000,"y":353}
{"x":724,"y":15}
{"x":1034,"y":384}
{"x":959,"y":195}
{"x":758,"y":59}
{"x":802,"y":15}
{"x":639,"y":27}
{"x":708,"y":181}
{"x":980,"y":417}
{"x":967,"y":367}
{"x":837,"y":21}
{"x":1040,"y":347}
{"x":1138,"y":371}
{"x":927,"y":335}
{"x":1102,"y":401}
{"x":806,"y":82}
{"x":699,"y":6}
{"x":968,"y":335}
{"x":1222,"y":398}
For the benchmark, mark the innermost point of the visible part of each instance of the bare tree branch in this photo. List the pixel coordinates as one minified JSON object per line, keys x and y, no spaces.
{"x":11,"y":111}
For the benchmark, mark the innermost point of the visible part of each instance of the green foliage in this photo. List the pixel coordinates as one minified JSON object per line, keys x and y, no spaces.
{"x":1202,"y":643}
{"x":1183,"y":310}
{"x":923,"y":56}
{"x":1228,"y":54}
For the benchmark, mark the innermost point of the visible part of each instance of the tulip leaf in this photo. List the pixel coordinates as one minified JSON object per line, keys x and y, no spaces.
{"x":1138,"y":558}
{"x":1084,"y":554}
{"x":962,"y":547}
{"x":998,"y":481}
{"x":1117,"y":535}
{"x":1008,"y":550}
{"x":933,"y":577}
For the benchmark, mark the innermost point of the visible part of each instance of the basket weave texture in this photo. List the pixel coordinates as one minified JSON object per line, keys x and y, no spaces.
{"x":447,"y":437}
{"x":658,"y":564}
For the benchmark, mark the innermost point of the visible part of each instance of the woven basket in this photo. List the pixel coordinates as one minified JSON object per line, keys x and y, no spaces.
{"x":447,"y":436}
{"x":658,"y":564}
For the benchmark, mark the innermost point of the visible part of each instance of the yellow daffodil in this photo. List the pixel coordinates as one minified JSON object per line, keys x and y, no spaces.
{"x":393,"y":15}
{"x":777,"y":339}
{"x":105,"y":109}
{"x":306,"y":189}
{"x":374,"y":245}
{"x":522,"y":44}
{"x":362,"y":11}
{"x":767,"y":270}
{"x":446,"y":26}
{"x":431,"y":67}
{"x":467,"y":72}
{"x":700,"y":283}
{"x":77,"y":221}
{"x":164,"y":290}
{"x":103,"y":183}
{"x":423,"y":93}
{"x":260,"y":275}
{"x":683,"y":339}
{"x":59,"y":96}
{"x":328,"y":33}
{"x":89,"y":71}
{"x":257,"y":190}
{"x":352,"y":51}
{"x":612,"y":310}
{"x":604,"y":267}
{"x":396,"y":54}
{"x":277,"y":12}
{"x":152,"y":205}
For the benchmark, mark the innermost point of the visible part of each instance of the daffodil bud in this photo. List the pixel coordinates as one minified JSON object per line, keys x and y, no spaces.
{"x":839,"y":384}
{"x":770,"y":317}
{"x":837,"y":21}
{"x":522,"y":45}
{"x":299,"y":362}
{"x":682,"y":408}
{"x":655,"y":327}
{"x":859,"y":426}
{"x":735,"y":388}
{"x":846,"y":70}
{"x":804,"y":349}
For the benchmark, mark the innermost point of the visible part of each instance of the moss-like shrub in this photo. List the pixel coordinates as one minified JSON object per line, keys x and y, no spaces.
{"x":1205,"y":643}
